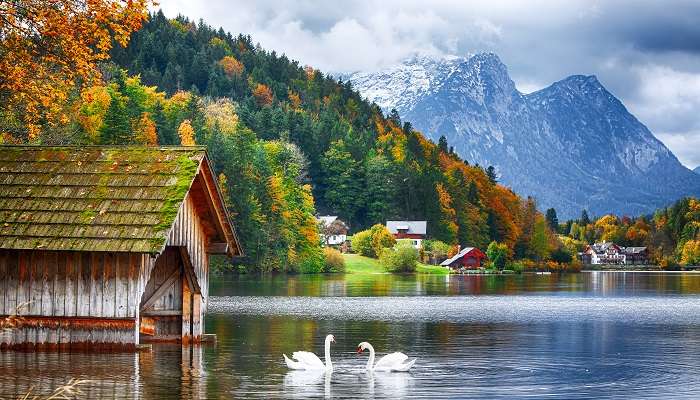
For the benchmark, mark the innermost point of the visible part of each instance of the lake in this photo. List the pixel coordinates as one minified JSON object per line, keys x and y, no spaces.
{"x":604,"y":335}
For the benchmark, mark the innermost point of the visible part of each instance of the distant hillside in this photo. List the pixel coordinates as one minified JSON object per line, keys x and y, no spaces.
{"x":362,"y":165}
{"x":572,"y":145}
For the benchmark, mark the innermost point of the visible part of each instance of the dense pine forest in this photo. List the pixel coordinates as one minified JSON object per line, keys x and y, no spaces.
{"x":289,"y":142}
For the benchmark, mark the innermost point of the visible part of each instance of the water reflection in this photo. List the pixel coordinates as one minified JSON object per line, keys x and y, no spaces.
{"x":588,"y":284}
{"x":597,"y":335}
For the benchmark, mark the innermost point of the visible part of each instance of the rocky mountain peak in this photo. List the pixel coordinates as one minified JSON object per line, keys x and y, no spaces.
{"x":572,"y":145}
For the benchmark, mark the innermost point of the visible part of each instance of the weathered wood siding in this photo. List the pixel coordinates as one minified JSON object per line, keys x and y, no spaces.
{"x":68,"y":296}
{"x":161,"y":302}
{"x":188,"y":231}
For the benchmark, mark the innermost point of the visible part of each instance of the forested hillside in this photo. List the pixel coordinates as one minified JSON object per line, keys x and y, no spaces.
{"x":290,"y":141}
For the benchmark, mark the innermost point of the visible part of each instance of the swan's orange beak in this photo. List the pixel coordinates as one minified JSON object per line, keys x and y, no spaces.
{"x":359,"y":350}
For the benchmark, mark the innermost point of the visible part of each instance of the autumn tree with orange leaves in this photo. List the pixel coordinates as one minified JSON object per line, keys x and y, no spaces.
{"x":48,"y":47}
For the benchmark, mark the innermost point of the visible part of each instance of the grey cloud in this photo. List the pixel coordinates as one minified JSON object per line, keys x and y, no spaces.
{"x":645,"y":52}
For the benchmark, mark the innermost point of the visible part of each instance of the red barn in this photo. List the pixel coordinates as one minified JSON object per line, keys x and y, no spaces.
{"x":468,"y":257}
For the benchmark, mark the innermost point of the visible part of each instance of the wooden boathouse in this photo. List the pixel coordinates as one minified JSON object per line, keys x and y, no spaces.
{"x":107,"y":246}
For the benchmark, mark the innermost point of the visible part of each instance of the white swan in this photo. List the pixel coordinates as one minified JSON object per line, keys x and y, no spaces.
{"x":309,"y":361}
{"x":394,"y":362}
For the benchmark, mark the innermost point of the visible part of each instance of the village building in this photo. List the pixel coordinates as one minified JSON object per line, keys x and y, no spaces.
{"x":636,"y":255}
{"x":107,"y":246}
{"x":414,"y":230}
{"x":468,"y":257}
{"x":608,"y":253}
{"x":333,"y":231}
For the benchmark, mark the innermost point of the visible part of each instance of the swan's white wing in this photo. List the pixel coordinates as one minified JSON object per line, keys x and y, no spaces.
{"x":390,"y":360}
{"x":404,"y":367}
{"x":308,"y":359}
{"x":292,"y":364}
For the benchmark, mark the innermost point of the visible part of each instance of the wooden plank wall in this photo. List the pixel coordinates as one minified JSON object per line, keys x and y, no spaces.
{"x":75,"y":294}
{"x":188,"y":231}
{"x":166,"y":311}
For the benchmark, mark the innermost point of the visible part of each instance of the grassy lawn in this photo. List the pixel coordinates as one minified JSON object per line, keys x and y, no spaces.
{"x":357,"y":264}
{"x":432,"y":269}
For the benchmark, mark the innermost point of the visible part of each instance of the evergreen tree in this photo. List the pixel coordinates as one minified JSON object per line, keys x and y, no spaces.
{"x":491,"y":173}
{"x":343,"y":185}
{"x":552,"y":220}
{"x":115,"y":126}
{"x":584,"y":220}
{"x":394,"y":117}
{"x":442,"y":144}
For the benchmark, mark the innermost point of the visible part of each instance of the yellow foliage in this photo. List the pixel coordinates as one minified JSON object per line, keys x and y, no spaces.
{"x":186,"y":133}
{"x":690,"y":254}
{"x":231,"y":66}
{"x":146,"y":130}
{"x":95,"y":102}
{"x":49,"y":46}
{"x":222,"y":114}
{"x":262,"y":94}
{"x":310,"y":72}
{"x":294,"y":100}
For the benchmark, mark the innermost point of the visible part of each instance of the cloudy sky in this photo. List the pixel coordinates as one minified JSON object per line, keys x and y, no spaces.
{"x":647,"y":53}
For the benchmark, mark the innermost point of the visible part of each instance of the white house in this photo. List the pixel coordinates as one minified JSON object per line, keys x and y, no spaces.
{"x":414,"y":230}
{"x":332,"y":230}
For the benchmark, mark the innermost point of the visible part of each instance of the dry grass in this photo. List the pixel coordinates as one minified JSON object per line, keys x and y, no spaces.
{"x":68,"y":391}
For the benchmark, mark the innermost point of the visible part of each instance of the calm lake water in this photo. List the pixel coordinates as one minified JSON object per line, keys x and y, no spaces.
{"x":604,"y":335}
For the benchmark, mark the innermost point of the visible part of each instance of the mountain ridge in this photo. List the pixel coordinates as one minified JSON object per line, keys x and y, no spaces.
{"x":544,"y":144}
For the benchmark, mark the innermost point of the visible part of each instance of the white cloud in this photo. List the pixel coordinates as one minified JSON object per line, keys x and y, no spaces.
{"x":685,"y":145}
{"x":649,"y":57}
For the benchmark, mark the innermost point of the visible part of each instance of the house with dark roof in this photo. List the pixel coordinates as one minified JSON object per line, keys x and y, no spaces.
{"x":107,"y":245}
{"x":414,"y":230}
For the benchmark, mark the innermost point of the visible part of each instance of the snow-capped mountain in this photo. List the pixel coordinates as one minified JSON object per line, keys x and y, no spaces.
{"x":572,"y":145}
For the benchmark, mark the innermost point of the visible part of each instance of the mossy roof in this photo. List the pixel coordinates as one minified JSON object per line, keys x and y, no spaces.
{"x":118,"y":198}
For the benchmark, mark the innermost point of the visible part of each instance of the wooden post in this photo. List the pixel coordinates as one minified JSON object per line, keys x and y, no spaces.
{"x":186,"y":312}
{"x":197,"y":317}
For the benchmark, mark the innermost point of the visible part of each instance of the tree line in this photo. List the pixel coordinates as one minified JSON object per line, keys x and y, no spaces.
{"x":288,"y":141}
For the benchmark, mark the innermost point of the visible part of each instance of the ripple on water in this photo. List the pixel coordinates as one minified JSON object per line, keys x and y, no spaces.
{"x":470,"y":309}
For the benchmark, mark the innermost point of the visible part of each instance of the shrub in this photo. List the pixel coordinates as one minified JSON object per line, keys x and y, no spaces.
{"x":311,"y":264}
{"x":334,"y":260}
{"x":371,"y":242}
{"x":517,"y":267}
{"x":381,"y":239}
{"x":497,"y":254}
{"x":436,"y":249}
{"x":561,"y":255}
{"x":362,"y":243}
{"x":403,"y":258}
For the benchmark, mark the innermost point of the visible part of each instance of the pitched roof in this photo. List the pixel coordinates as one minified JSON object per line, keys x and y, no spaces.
{"x":634,"y":250}
{"x":414,"y":227}
{"x":95,"y":198}
{"x":327,"y":219}
{"x":457,"y":256}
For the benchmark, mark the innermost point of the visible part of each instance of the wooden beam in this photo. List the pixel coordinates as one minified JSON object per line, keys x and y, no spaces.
{"x":217,"y":248}
{"x":161,"y":313}
{"x":189,"y":270}
{"x":161,"y":290}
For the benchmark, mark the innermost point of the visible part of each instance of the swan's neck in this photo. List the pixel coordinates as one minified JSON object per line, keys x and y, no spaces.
{"x":370,"y":362}
{"x":329,"y":364}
